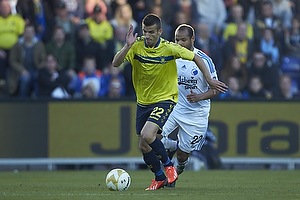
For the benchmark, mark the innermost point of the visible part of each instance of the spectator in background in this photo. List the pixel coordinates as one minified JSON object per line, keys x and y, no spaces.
{"x":180,"y":17}
{"x":86,"y":47}
{"x":236,"y":17}
{"x":64,"y":53}
{"x":115,"y":88}
{"x":228,"y":4}
{"x":49,"y":10}
{"x":234,"y":90}
{"x":213,"y":13}
{"x":234,"y":68}
{"x":209,"y":44}
{"x":270,"y":46}
{"x":166,"y":6}
{"x":62,"y":19}
{"x":285,"y":90}
{"x":292,"y":39}
{"x":75,"y":9}
{"x":113,"y":72}
{"x":267,"y":19}
{"x":91,"y":82}
{"x":166,"y":34}
{"x":282,"y":9}
{"x":52,"y":82}
{"x":33,"y":13}
{"x":116,"y":3}
{"x":189,"y":7}
{"x":90,"y":8}
{"x":125,"y":67}
{"x":123,"y":17}
{"x":11,"y":27}
{"x":26,"y":58}
{"x":251,"y":10}
{"x":260,"y":66}
{"x":256,"y":90}
{"x":239,"y":45}
{"x":62,"y":50}
{"x":295,"y":4}
{"x":100,"y":29}
{"x":128,"y":85}
{"x":139,"y":11}
{"x":120,"y":32}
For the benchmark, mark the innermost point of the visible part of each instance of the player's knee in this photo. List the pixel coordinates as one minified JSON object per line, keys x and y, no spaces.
{"x":182,"y":156}
{"x":143,"y":146}
{"x":148,"y":138}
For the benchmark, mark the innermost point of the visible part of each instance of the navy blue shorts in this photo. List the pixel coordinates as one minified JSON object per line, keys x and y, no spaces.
{"x":157,"y":113}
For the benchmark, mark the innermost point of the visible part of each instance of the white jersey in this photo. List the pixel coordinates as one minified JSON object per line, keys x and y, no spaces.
{"x":190,"y":77}
{"x":191,"y":118}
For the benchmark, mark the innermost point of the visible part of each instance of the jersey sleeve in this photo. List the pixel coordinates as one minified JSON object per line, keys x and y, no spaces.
{"x":181,"y":52}
{"x":208,"y":62}
{"x":130,"y":54}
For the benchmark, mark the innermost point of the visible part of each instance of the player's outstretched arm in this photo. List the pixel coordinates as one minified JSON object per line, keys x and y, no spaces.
{"x":130,"y":39}
{"x":213,"y":83}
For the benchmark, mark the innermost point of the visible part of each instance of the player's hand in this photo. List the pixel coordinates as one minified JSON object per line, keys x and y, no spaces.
{"x":130,"y":38}
{"x":218,"y":85}
{"x":193,"y":97}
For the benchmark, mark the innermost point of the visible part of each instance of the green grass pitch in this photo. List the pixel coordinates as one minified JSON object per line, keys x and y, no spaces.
{"x":201,"y":185}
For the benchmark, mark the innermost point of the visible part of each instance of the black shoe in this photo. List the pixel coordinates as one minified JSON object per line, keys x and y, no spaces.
{"x":170,"y":185}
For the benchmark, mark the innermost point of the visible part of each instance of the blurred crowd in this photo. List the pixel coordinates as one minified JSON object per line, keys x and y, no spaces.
{"x":64,"y":48}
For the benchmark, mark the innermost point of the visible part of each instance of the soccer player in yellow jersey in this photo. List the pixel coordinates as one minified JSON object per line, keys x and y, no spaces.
{"x":154,"y":75}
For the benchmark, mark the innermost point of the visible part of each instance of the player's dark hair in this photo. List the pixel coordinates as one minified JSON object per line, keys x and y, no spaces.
{"x":152,"y":19}
{"x":187,"y":27}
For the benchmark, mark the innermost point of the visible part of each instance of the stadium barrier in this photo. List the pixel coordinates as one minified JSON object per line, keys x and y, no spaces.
{"x":133,"y":162}
{"x":102,"y":131}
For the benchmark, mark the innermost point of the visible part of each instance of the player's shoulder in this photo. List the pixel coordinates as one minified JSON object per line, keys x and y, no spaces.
{"x":140,"y":39}
{"x":168,"y":44}
{"x":139,"y":44}
{"x":200,"y":53}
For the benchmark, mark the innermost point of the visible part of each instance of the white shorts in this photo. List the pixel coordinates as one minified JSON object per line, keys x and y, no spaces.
{"x":192,"y":128}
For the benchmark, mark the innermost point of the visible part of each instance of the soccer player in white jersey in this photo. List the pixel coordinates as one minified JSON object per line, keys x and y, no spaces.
{"x":191,"y":112}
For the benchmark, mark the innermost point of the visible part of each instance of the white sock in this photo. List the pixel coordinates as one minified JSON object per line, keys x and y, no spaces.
{"x":169,"y":144}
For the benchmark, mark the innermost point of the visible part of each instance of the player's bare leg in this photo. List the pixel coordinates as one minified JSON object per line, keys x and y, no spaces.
{"x":182,"y":158}
{"x":153,"y":151}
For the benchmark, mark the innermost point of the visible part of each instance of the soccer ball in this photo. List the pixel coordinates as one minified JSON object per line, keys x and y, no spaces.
{"x":118,"y":180}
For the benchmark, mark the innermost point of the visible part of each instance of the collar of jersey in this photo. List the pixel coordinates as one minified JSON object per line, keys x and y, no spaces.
{"x":154,"y":46}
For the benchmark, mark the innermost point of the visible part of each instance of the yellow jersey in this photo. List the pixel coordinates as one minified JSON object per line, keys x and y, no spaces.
{"x":10,"y":30}
{"x":100,"y":32}
{"x":154,"y":71}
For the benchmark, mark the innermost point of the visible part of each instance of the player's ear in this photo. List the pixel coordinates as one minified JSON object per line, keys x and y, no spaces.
{"x":193,"y":39}
{"x":160,"y":31}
